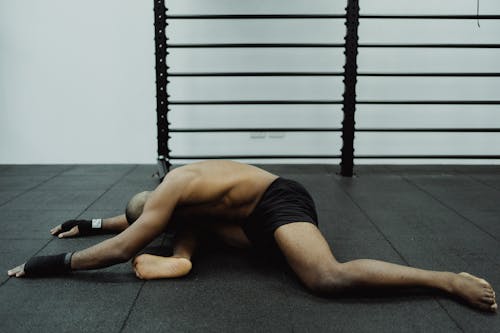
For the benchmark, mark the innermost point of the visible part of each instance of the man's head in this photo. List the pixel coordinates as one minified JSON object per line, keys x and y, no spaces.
{"x":136,"y":205}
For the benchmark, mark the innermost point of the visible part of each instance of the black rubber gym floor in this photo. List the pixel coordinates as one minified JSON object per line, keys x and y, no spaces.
{"x":434,"y":217}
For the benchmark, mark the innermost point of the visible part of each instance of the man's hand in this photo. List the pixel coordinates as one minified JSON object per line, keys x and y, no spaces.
{"x":72,"y":228}
{"x":57,"y":231}
{"x":17,"y":272}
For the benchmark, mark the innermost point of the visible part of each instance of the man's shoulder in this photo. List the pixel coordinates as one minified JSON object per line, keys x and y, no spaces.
{"x":210,"y":169}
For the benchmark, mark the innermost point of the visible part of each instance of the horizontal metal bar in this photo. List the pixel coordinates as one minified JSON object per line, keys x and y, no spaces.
{"x":256,"y":102}
{"x":208,"y":157}
{"x":210,"y":130}
{"x":326,"y":16}
{"x":255,"y":16}
{"x":257,"y":45}
{"x":461,"y":74}
{"x":229,"y":130}
{"x":429,"y":156}
{"x":277,"y":74}
{"x":464,"y":130}
{"x":433,"y":17}
{"x":431,"y":102}
{"x":214,"y":74}
{"x":475,"y":46}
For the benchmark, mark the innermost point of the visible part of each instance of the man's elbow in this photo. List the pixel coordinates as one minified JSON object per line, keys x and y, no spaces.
{"x":122,"y":257}
{"x":124,"y":253}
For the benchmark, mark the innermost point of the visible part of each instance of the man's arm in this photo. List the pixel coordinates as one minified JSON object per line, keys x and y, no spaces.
{"x":156,"y":215}
{"x":114,"y":224}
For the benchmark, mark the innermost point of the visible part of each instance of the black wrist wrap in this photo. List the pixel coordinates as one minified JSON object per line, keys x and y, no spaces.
{"x":84,"y":227}
{"x":49,"y":265}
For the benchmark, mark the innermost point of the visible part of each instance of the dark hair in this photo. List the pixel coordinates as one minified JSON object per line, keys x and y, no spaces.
{"x":135,"y":206}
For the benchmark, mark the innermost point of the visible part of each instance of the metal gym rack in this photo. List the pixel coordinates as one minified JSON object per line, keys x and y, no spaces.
{"x":350,"y":75}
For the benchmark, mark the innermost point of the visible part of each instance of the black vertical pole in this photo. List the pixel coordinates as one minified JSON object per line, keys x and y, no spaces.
{"x":350,"y":78}
{"x":160,"y":12}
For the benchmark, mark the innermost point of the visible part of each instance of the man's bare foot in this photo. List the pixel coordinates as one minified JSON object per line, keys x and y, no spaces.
{"x":474,"y":290}
{"x":148,"y":267}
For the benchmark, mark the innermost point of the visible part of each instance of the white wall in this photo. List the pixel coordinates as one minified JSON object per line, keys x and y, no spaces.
{"x":425,"y":88}
{"x":257,"y":88}
{"x":77,"y":80}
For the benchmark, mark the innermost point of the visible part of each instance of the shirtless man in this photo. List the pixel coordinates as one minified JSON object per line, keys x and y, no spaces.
{"x":246,"y":205}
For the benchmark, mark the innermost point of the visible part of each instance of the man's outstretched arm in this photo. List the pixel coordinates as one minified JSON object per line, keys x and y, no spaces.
{"x":156,"y":215}
{"x":74,"y":228}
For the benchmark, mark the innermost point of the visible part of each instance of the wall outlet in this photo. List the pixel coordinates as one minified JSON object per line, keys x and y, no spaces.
{"x":258,"y":135}
{"x":277,"y":135}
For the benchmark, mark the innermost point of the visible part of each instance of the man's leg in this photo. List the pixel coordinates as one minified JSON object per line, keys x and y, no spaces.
{"x":231,"y":234}
{"x":309,"y":255}
{"x":148,"y":266}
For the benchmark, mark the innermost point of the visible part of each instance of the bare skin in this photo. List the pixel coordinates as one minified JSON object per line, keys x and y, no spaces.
{"x":150,"y":267}
{"x":228,"y":192}
{"x":113,"y":224}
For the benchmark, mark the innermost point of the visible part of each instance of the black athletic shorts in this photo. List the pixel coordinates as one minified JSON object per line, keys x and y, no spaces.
{"x":285,"y":201}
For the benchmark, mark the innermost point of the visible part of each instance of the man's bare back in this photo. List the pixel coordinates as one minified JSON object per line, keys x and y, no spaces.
{"x":222,"y":189}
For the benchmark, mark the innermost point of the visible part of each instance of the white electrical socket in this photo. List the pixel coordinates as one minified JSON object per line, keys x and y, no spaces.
{"x":258,"y":135}
{"x":277,"y":135}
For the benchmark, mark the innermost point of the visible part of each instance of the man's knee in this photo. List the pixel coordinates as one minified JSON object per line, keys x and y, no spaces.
{"x":328,"y":282}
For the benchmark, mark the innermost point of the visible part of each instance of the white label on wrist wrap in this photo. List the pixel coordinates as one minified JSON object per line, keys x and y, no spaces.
{"x":96,"y":223}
